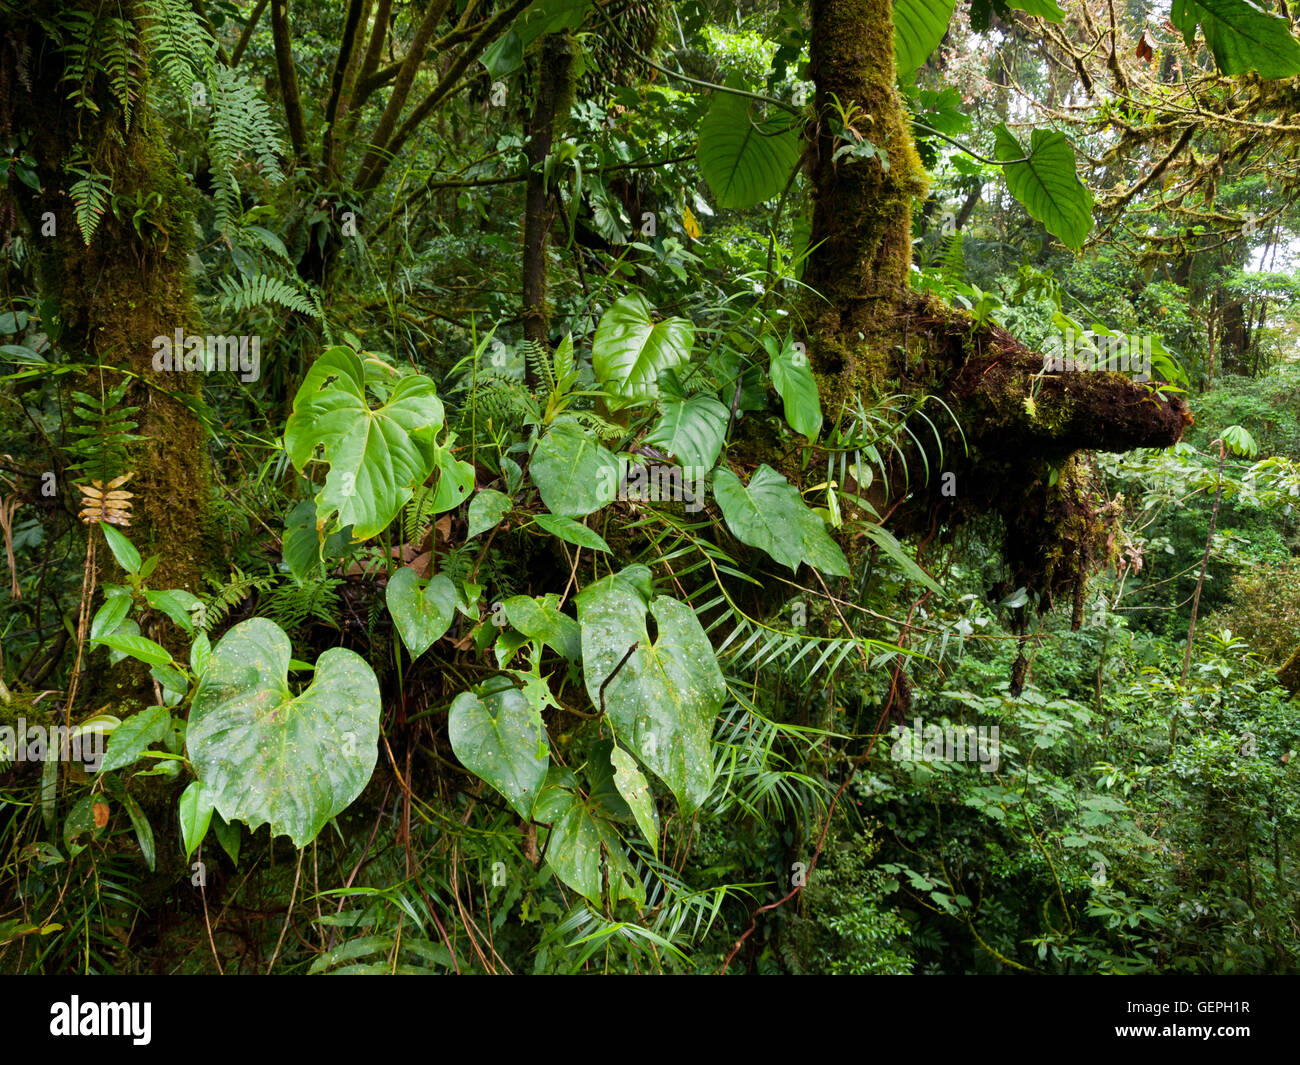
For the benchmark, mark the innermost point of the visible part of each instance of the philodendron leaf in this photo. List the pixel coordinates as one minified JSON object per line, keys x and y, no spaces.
{"x":377,"y":456}
{"x":1240,"y":36}
{"x":573,"y":473}
{"x":771,"y":516}
{"x":1046,"y":182}
{"x":691,"y":430}
{"x":631,"y":350}
{"x":746,"y":157}
{"x":919,"y":26}
{"x":498,"y":735}
{"x":794,"y":382}
{"x":266,"y":755}
{"x":661,"y":696}
{"x":584,"y":849}
{"x":422,"y":614}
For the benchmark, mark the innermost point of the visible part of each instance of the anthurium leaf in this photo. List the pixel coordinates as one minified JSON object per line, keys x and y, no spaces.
{"x":583,"y":849}
{"x":663,"y":698}
{"x":919,"y":26}
{"x":540,"y":619}
{"x":455,"y":481}
{"x":747,"y":158}
{"x":266,"y":755}
{"x":770,"y":515}
{"x":635,"y":789}
{"x":422,"y":611}
{"x":1046,"y":182}
{"x":376,"y":456}
{"x":486,"y":510}
{"x":631,"y":350}
{"x":1240,"y":36}
{"x":794,"y":382}
{"x":572,"y":532}
{"x":498,"y":735}
{"x":574,"y":474}
{"x":691,"y":430}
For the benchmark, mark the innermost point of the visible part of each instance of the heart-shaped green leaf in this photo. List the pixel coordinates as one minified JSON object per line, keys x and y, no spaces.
{"x":584,"y":849}
{"x":498,"y":735}
{"x":745,"y":157}
{"x":1046,"y":183}
{"x":793,"y":380}
{"x":771,"y":516}
{"x":631,"y":350}
{"x":377,"y":456}
{"x":573,"y":473}
{"x":266,"y":755}
{"x":691,"y":430}
{"x":635,"y":789}
{"x":422,"y":615}
{"x":572,"y":532}
{"x":661,"y":696}
{"x":486,"y":510}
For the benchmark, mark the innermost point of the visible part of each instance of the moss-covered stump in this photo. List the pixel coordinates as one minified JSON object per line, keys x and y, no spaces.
{"x":1289,"y":675}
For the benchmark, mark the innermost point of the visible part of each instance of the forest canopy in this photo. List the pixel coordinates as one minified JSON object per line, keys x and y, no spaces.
{"x":623,"y":486}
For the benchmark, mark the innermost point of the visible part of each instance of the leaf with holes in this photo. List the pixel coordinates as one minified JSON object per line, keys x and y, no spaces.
{"x":264,"y":754}
{"x":771,"y":515}
{"x":498,"y":735}
{"x":664,"y":697}
{"x":376,"y":455}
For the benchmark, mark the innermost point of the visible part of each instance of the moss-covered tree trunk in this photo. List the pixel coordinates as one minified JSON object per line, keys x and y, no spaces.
{"x":1021,"y":429}
{"x":131,"y":282}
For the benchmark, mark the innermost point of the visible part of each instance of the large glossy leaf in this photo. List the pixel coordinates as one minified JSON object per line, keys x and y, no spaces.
{"x":745,"y":157}
{"x":663,"y":699}
{"x":631,"y":350}
{"x":1240,"y":36}
{"x":574,"y":474}
{"x":770,"y":515}
{"x":486,"y":510}
{"x":1044,"y":9}
{"x":919,"y":26}
{"x":266,"y":755}
{"x":541,"y":619}
{"x":422,"y":612}
{"x":793,"y":380}
{"x":498,"y":735}
{"x":584,"y":849}
{"x":1046,"y":183}
{"x":303,"y":546}
{"x":376,"y":456}
{"x":691,"y":430}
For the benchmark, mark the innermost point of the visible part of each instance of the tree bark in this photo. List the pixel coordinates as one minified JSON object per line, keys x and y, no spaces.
{"x":125,"y":287}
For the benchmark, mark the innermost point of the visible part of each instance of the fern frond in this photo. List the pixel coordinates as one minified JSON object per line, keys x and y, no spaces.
{"x":240,"y":294}
{"x":90,"y":194}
